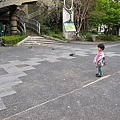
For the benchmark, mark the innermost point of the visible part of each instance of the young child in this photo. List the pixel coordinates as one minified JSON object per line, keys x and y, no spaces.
{"x":100,"y":59}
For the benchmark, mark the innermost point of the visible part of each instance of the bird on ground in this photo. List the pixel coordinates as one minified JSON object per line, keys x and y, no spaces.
{"x":30,"y":47}
{"x":53,"y":49}
{"x":71,"y":54}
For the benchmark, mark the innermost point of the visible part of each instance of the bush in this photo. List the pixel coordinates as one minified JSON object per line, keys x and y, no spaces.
{"x":45,"y":30}
{"x":94,"y":32}
{"x":109,"y":38}
{"x":57,"y":31}
{"x":88,"y":36}
{"x":57,"y":36}
{"x":13,"y":40}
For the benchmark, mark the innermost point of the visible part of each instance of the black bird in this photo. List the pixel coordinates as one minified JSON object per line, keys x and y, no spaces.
{"x":53,"y":49}
{"x":30,"y":47}
{"x":71,"y":54}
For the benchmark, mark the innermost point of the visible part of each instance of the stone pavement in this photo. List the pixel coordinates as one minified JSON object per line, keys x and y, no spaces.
{"x":45,"y":83}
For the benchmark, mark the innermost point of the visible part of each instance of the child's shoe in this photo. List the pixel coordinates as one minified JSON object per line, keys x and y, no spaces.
{"x":97,"y":75}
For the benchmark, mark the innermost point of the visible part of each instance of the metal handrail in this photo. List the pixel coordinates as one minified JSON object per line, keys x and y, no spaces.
{"x":33,"y":24}
{"x":30,"y":23}
{"x":21,"y":25}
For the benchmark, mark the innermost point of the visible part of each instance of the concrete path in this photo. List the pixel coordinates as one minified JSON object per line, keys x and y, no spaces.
{"x":45,"y":83}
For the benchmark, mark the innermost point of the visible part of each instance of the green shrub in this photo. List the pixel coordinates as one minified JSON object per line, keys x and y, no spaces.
{"x":88,"y":36}
{"x":94,"y":32}
{"x":57,"y":36}
{"x":109,"y":38}
{"x":57,"y":31}
{"x":45,"y":30}
{"x":12,"y":39}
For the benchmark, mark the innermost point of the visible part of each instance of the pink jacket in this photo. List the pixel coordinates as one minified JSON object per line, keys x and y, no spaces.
{"x":99,"y":57}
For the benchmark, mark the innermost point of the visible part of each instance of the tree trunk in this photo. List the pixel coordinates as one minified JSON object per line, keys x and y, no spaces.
{"x":81,"y":9}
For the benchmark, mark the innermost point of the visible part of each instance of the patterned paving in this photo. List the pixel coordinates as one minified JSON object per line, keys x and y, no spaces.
{"x":13,"y":70}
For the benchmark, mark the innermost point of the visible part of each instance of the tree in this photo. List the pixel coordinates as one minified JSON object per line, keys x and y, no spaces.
{"x":81,"y":9}
{"x":107,"y":12}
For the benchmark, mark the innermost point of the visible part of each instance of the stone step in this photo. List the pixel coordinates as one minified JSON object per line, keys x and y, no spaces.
{"x":37,"y":40}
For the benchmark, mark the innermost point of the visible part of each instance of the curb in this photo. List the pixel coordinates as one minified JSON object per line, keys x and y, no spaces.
{"x":87,"y":43}
{"x":23,"y":41}
{"x":92,"y":43}
{"x":52,"y":38}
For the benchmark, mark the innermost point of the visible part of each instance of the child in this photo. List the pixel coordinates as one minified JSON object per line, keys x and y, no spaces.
{"x":100,"y":59}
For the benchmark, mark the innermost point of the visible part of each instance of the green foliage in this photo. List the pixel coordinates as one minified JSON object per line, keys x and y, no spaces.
{"x":58,"y":36}
{"x":54,"y":17}
{"x":88,"y":36}
{"x":109,"y":38}
{"x":57,"y":31}
{"x":13,"y":40}
{"x":106,"y":12}
{"x":45,"y":30}
{"x":94,"y":32}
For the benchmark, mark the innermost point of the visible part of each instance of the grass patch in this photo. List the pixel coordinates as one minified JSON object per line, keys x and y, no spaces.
{"x":58,"y":36}
{"x":13,"y":40}
{"x":109,"y":38}
{"x":103,"y":38}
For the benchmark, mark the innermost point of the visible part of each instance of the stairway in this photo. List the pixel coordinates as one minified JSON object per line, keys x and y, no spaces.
{"x":31,"y":32}
{"x":37,"y":40}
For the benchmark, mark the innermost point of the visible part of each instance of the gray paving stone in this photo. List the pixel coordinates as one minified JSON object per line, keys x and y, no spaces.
{"x":3,"y":72}
{"x":4,"y":91}
{"x":9,"y":82}
{"x":2,"y":106}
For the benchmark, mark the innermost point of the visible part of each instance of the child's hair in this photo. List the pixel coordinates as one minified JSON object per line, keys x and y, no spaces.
{"x":101,"y":46}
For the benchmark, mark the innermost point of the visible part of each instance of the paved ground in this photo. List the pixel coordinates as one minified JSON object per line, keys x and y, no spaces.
{"x":40,"y":83}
